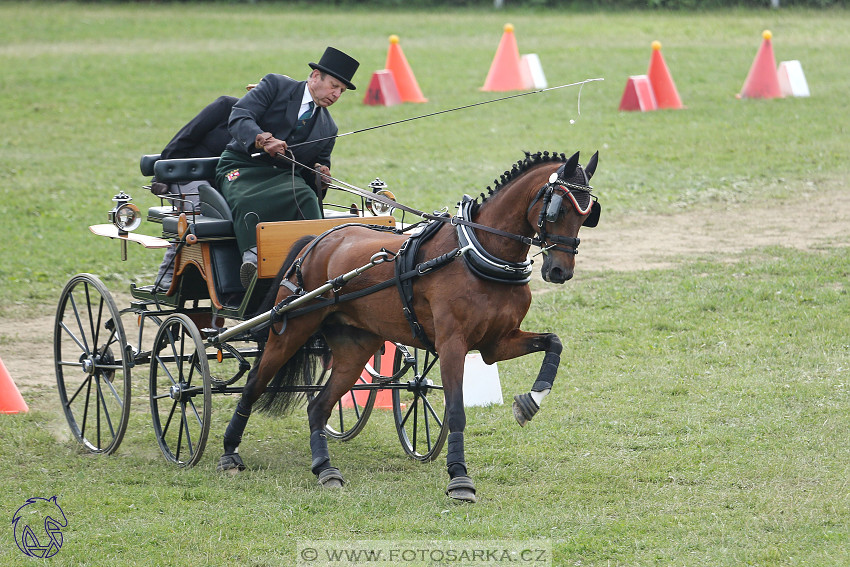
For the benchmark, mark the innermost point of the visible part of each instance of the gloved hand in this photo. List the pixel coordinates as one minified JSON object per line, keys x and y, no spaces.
{"x":323,"y":179}
{"x":268,"y":143}
{"x":159,"y":188}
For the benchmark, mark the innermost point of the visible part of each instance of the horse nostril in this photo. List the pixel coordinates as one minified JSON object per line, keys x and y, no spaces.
{"x":559,"y":275}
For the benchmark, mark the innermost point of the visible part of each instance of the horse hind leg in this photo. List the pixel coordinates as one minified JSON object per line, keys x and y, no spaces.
{"x":351,"y":349}
{"x":275,"y":357}
{"x":526,"y":405}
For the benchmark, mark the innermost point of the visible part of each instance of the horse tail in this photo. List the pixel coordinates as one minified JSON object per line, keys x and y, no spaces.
{"x":298,"y":370}
{"x":280,"y":396}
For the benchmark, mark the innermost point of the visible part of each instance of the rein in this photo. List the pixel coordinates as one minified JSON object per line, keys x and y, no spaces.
{"x":452,"y":220}
{"x":478,"y":260}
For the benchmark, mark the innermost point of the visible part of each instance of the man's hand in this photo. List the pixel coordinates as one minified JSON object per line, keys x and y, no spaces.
{"x":270,"y":144}
{"x":323,"y":179}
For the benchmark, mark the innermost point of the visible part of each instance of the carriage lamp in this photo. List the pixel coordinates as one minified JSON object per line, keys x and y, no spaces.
{"x":125,"y":215}
{"x":378,"y":187}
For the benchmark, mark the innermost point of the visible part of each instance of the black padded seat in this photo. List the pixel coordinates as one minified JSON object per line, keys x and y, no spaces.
{"x":213,"y":204}
{"x":187,"y":169}
{"x":215,"y":218}
{"x":202,"y":227}
{"x":147,"y":162}
{"x":156,"y":214}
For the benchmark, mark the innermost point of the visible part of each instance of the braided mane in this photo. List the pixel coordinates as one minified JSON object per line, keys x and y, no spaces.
{"x":518,"y":169}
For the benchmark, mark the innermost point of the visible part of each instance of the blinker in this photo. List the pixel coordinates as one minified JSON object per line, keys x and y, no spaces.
{"x":553,"y":211}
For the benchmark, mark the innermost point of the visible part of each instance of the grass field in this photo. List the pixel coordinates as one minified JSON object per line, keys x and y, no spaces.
{"x":700,"y":416}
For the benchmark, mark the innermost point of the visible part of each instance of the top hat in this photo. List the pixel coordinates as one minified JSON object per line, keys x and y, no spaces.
{"x":339,"y":65}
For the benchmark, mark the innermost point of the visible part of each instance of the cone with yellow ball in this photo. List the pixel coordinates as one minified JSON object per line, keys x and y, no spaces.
{"x":666,"y":95}
{"x":506,"y":70}
{"x":405,"y":81}
{"x":762,"y":80}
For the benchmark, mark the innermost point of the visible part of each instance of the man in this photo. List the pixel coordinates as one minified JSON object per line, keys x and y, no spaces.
{"x":278,"y":113}
{"x":206,"y":135}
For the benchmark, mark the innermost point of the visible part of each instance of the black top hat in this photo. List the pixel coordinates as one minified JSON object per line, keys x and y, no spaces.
{"x":337,"y":64}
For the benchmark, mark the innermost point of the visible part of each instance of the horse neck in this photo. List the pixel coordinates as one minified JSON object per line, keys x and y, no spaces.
{"x":507,"y":210}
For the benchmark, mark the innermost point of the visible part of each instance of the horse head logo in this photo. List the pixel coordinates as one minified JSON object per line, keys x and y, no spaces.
{"x":38,"y":527}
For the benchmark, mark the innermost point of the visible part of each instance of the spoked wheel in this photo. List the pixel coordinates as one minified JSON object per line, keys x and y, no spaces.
{"x":92,"y":366}
{"x":419,"y":409}
{"x":352,"y":411}
{"x":180,"y":391}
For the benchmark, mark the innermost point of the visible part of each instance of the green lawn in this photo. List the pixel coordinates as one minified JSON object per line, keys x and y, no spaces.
{"x":700,"y":416}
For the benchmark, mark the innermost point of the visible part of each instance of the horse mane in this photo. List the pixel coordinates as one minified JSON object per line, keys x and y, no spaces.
{"x":520,"y":167}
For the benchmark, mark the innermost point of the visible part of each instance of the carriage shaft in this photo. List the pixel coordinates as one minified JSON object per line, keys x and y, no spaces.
{"x":264,"y":318}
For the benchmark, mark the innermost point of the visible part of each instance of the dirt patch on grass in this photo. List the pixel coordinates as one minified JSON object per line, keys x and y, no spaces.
{"x":645,"y":241}
{"x":625,"y":243}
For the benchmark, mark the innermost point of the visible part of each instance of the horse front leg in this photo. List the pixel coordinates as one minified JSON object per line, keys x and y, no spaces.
{"x":460,"y":485}
{"x":526,"y":405}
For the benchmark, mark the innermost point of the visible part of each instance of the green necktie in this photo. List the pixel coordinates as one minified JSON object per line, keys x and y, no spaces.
{"x":305,"y":116}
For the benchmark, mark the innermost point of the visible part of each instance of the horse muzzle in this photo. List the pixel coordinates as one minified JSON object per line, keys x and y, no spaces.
{"x":554,"y":273}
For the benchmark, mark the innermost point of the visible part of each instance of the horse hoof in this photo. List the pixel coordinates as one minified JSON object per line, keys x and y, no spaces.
{"x":524,"y":408}
{"x":231,"y":464}
{"x":518,"y":415}
{"x":462,"y":489}
{"x":331,"y":478}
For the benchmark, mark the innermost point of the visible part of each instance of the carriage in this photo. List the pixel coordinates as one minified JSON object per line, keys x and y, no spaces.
{"x":98,"y":346}
{"x":353,"y":311}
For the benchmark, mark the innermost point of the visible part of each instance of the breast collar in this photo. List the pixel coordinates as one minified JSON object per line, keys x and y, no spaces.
{"x":482,"y":263}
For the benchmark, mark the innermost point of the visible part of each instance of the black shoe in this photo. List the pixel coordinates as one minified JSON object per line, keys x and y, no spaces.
{"x":247,"y":273}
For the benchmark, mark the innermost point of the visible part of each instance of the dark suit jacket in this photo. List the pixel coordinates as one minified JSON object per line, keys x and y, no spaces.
{"x":272,"y":106}
{"x":206,"y":135}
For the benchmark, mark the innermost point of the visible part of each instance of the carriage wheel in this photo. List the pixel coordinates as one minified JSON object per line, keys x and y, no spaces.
{"x":419,"y":409}
{"x":92,"y":364}
{"x":180,"y":391}
{"x":352,"y":411}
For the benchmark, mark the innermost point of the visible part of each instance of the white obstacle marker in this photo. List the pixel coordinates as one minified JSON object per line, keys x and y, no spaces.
{"x":792,"y":81}
{"x":530,"y":65}
{"x":481,"y":385}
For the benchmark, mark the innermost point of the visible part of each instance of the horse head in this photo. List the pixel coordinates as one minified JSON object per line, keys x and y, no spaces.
{"x":566,"y":204}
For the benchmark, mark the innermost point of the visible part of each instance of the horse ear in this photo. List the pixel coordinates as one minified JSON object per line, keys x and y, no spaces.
{"x":572,"y":163}
{"x":590,"y":168}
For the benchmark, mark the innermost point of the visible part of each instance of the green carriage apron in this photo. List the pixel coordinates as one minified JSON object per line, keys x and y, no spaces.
{"x":258,"y":192}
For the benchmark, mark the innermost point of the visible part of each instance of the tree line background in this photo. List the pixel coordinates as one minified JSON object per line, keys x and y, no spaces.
{"x":574,"y":4}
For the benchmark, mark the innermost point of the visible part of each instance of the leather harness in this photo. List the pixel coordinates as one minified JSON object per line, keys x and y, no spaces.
{"x":480,"y":262}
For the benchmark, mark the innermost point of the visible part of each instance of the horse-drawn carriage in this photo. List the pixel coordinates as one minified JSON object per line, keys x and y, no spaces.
{"x":355,"y":310}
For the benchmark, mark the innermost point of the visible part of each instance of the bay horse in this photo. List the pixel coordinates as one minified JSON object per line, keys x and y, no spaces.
{"x":477,"y":303}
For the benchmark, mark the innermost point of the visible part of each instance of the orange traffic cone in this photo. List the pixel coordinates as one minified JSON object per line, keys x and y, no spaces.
{"x":384,"y":397}
{"x":665,"y":91}
{"x":10,"y":398}
{"x":382,"y":90}
{"x":408,"y":88}
{"x":762,"y":80}
{"x":506,"y":70}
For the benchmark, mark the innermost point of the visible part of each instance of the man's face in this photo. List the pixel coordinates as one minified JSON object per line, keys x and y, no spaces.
{"x":324,"y":88}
